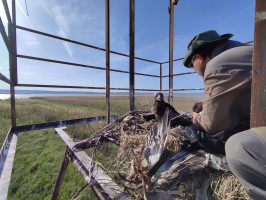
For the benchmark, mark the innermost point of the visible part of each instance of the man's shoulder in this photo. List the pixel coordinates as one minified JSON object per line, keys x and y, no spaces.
{"x":224,"y":46}
{"x":237,"y":60}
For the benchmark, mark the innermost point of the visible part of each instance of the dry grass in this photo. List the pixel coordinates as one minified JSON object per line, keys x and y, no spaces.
{"x":227,"y":187}
{"x":185,"y":103}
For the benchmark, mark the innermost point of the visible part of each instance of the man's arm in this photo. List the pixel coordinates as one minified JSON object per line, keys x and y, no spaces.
{"x":197,"y":107}
{"x":226,"y":103}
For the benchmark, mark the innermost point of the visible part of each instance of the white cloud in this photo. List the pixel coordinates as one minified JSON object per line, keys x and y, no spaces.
{"x":61,"y":22}
{"x":60,"y":19}
{"x":2,"y":11}
{"x":68,"y":49}
{"x":20,"y":8}
{"x":66,"y":44}
{"x":63,"y":27}
{"x":31,"y":40}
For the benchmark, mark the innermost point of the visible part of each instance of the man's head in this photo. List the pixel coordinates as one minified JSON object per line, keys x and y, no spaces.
{"x":199,"y":62}
{"x":200,"y":49}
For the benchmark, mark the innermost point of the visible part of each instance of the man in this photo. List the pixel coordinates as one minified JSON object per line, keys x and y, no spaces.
{"x":225,"y":65}
{"x":246,"y":156}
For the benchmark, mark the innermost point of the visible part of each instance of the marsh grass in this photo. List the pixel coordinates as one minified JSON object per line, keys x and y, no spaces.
{"x":39,"y":153}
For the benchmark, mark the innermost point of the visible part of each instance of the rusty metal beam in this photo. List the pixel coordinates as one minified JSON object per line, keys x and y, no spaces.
{"x":13,"y":106}
{"x":8,"y":165}
{"x":7,"y":11}
{"x":132,"y":55}
{"x":5,"y":79}
{"x":188,"y":89}
{"x":147,"y":75}
{"x":107,"y":52}
{"x":181,"y":74}
{"x":65,"y":86}
{"x":161,"y":83}
{"x":173,"y":60}
{"x":184,"y":73}
{"x":258,"y":99}
{"x":80,"y":43}
{"x":100,"y":182}
{"x":32,"y":127}
{"x":94,"y":47}
{"x":61,"y":175}
{"x":4,"y":35}
{"x":171,"y":43}
{"x":59,"y":62}
{"x":151,"y":90}
{"x":13,"y":63}
{"x":248,"y":42}
{"x":79,"y":65}
{"x":80,"y":87}
{"x":175,"y":2}
{"x":12,"y":33}
{"x":4,"y":148}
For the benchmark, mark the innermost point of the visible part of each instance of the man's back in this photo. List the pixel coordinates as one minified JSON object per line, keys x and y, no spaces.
{"x":227,"y":81}
{"x":236,"y":61}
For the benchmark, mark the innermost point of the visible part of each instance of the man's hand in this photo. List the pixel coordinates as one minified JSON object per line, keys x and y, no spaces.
{"x":197,"y":107}
{"x":194,"y":116}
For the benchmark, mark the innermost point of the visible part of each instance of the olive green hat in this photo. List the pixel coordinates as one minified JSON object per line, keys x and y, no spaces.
{"x":201,"y":40}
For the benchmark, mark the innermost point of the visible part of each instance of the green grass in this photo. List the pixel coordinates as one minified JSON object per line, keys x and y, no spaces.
{"x":40,"y":153}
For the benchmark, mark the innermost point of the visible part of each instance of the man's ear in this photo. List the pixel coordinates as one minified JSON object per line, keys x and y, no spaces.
{"x":200,"y":58}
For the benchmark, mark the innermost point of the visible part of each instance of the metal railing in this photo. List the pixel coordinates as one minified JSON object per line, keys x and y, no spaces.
{"x":258,"y":86}
{"x":11,"y":45}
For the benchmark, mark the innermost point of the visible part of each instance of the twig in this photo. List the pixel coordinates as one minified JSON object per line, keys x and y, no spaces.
{"x":141,"y":170}
{"x":80,"y":191}
{"x":122,"y":131}
{"x":100,"y":132}
{"x":146,"y":100}
{"x":112,"y":163}
{"x":125,"y":178}
{"x":94,"y":149}
{"x":147,"y":103}
{"x":132,"y":188}
{"x":91,"y":128}
{"x":108,"y":171}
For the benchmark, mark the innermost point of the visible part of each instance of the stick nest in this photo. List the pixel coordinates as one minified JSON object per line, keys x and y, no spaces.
{"x":134,"y":130}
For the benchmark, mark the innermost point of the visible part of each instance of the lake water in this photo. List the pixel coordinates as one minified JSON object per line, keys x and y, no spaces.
{"x":29,"y":95}
{"x":25,"y":96}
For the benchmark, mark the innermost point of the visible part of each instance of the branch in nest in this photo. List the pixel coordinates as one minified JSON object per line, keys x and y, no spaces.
{"x":126,"y":179}
{"x":141,"y":170}
{"x":90,"y":142}
{"x":132,"y":188}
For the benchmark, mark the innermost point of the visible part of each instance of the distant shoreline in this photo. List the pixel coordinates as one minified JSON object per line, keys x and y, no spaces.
{"x":21,"y":94}
{"x":28,"y":95}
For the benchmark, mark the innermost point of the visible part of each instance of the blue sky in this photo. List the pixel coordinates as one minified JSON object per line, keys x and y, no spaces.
{"x":84,"y":21}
